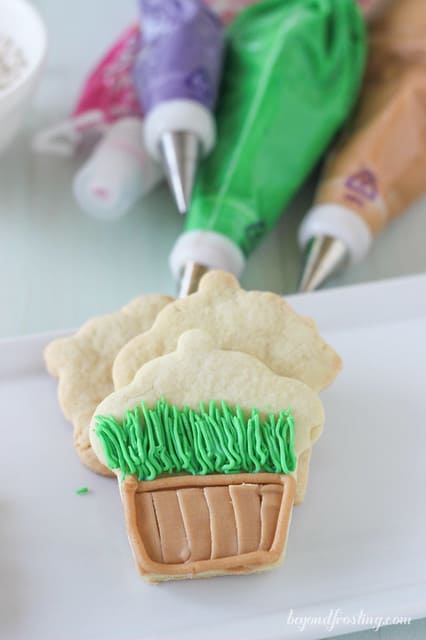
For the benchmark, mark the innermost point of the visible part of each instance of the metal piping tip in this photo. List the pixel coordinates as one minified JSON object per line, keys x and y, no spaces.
{"x":191,"y":276}
{"x":180,"y":151}
{"x":324,"y":257}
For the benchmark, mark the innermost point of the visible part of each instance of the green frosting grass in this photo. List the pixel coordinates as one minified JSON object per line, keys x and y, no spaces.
{"x":151,"y":442}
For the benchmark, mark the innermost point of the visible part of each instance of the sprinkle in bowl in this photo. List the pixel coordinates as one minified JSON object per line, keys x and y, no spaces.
{"x":23,"y":45}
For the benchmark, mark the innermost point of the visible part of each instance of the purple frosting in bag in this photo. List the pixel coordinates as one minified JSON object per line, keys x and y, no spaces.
{"x":181,"y":56}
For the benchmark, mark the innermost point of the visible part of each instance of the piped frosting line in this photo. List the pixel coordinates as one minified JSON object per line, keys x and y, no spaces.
{"x":168,"y":440}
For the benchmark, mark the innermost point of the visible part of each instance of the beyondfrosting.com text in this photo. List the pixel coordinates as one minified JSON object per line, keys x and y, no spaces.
{"x":337,"y":618}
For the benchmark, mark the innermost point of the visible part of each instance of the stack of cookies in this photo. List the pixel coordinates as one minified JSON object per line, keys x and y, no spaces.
{"x":205,"y":409}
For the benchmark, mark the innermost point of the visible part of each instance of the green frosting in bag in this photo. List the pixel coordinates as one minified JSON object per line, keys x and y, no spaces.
{"x":291,"y":75}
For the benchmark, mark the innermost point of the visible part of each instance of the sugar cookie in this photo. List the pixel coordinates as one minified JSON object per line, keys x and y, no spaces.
{"x":207,"y":489}
{"x":83,"y":364}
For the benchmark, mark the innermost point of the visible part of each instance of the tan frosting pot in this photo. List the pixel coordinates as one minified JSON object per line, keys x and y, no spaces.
{"x":201,"y":526}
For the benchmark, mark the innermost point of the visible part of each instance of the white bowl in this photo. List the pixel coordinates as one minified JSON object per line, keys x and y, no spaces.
{"x":20,"y":21}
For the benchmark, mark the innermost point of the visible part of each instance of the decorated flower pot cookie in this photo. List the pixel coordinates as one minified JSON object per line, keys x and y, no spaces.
{"x":205,"y":445}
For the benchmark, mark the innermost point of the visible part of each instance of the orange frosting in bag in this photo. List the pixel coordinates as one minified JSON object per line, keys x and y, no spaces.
{"x":379,"y":167}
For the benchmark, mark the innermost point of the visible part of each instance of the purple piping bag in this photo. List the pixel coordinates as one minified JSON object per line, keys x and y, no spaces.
{"x":177,"y":76}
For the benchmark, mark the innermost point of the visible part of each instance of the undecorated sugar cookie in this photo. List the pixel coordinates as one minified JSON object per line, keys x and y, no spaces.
{"x":83,"y":364}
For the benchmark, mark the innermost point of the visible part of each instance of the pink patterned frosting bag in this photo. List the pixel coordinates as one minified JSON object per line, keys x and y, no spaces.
{"x":108,"y":95}
{"x":109,"y":88}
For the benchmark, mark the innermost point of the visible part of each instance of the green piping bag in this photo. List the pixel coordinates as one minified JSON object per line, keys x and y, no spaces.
{"x":291,"y":75}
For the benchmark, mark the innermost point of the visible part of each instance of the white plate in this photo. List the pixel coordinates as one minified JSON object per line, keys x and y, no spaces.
{"x":356,"y":545}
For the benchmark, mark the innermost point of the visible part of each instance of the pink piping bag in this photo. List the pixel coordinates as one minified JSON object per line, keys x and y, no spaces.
{"x":107,"y":96}
{"x":109,"y":88}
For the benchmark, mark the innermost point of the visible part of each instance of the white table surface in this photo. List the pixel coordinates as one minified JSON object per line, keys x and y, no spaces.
{"x":59,"y":267}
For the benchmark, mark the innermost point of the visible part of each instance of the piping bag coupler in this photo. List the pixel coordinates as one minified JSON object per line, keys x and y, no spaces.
{"x":377,"y":170}
{"x":177,"y":75}
{"x":118,"y":173}
{"x":291,"y":76}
